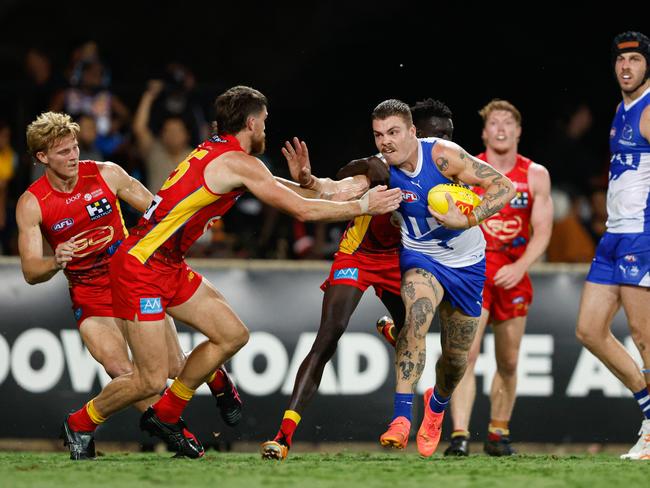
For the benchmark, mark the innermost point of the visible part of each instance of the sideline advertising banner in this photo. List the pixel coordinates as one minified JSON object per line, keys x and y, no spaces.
{"x":563,"y":391}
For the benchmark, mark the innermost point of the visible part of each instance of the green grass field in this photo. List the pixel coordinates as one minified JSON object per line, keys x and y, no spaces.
{"x":319,"y":470}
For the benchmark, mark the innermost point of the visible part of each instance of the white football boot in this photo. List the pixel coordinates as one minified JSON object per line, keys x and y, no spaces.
{"x":641,"y":450}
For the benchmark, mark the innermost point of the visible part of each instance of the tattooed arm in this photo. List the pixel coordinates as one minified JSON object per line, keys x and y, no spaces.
{"x":456,"y":164}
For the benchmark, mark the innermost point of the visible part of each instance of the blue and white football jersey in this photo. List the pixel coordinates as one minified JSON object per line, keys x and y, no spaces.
{"x":628,"y":193}
{"x":420,"y":231}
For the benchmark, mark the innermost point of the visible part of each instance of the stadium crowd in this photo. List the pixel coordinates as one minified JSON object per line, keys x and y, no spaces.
{"x":169,"y":114}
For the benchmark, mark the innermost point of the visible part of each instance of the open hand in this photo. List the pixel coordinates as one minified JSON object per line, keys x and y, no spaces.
{"x":297,"y":157}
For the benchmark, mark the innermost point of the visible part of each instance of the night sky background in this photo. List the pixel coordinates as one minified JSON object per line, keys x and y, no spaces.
{"x":324,"y":65}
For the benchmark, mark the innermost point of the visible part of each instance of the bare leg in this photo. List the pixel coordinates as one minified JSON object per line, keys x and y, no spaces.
{"x":457,"y":335}
{"x":507,"y":335}
{"x":636,"y":303}
{"x":209,"y":313}
{"x":465,"y":392}
{"x":598,"y":306}
{"x":421,"y":293}
{"x":339,"y":302}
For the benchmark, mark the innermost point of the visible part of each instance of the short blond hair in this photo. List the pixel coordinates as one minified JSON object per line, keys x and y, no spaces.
{"x":497,"y":104}
{"x":48,"y":129}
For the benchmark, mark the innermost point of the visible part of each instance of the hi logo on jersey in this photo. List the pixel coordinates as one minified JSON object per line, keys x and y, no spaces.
{"x":99,"y":209}
{"x":409,"y":196}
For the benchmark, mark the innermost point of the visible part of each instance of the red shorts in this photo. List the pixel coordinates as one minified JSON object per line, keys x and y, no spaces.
{"x":501,"y":303}
{"x":147,"y":290}
{"x":360,"y":270}
{"x":92,"y":299}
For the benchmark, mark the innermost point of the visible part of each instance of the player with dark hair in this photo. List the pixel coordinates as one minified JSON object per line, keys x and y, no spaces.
{"x":620,"y":272}
{"x":149,"y":275}
{"x":442,"y":260}
{"x":368,"y":255}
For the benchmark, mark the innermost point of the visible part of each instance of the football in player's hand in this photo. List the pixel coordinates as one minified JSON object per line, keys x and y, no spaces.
{"x":464,"y":198}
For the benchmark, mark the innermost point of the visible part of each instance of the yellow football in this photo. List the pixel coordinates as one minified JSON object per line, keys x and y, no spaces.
{"x":464,"y":198}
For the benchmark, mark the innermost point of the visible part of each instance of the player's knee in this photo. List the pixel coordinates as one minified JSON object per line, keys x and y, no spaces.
{"x":117,"y":368}
{"x":585,"y":336}
{"x":507,"y":366}
{"x":640,"y":333}
{"x":237,"y":339}
{"x":152,"y":384}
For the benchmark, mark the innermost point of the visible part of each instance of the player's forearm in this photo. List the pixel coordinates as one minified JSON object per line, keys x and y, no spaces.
{"x":322,"y":210}
{"x":535,"y":248}
{"x":39,"y":270}
{"x":296,"y":188}
{"x":496,"y":196}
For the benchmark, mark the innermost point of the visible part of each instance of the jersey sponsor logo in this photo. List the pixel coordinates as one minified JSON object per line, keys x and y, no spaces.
{"x":92,"y":240}
{"x":409,"y":196}
{"x":216,"y":138}
{"x":78,"y":312}
{"x":62,"y":224}
{"x":150,"y":306}
{"x":73,"y":198}
{"x":503,"y":229}
{"x":94,"y":194}
{"x":99,"y":209}
{"x":520,"y":200}
{"x":347,"y":274}
{"x":630,"y":258}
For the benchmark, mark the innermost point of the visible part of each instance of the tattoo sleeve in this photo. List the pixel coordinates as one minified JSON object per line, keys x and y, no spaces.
{"x":498,"y":187}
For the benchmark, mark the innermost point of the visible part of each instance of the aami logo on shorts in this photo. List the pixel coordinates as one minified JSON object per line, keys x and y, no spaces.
{"x":347,"y":274}
{"x":99,"y":209}
{"x":409,"y":196}
{"x":62,"y":224}
{"x":150,"y":305}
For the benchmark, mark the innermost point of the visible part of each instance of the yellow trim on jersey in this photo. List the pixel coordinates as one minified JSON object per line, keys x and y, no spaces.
{"x":119,"y":211}
{"x":174,"y":220}
{"x":355,"y":234}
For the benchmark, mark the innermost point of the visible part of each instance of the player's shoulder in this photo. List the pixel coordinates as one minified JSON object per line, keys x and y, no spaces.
{"x":28,"y":207}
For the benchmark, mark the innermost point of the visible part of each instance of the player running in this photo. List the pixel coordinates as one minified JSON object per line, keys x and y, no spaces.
{"x":368,"y":255}
{"x":149,"y":275}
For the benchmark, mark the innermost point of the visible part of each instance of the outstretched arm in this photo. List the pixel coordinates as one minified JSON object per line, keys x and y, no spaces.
{"x":455,"y":163}
{"x":245,"y":170}
{"x":347,"y":188}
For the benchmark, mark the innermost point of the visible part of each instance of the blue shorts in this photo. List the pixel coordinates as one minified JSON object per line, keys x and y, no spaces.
{"x":621,"y":259}
{"x":463,"y":286}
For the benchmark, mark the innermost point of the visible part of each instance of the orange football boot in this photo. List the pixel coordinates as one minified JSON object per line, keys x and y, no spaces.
{"x":397,"y":434}
{"x":386,"y":328}
{"x":429,"y":433}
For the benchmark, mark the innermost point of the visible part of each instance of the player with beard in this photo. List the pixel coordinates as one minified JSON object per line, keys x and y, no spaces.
{"x":149,"y":275}
{"x":620,"y":272}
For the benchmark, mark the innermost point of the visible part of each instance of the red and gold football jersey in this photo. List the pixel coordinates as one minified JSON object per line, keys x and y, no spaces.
{"x":371,"y":235}
{"x":508,"y":231}
{"x":184,"y":208}
{"x":90,"y":215}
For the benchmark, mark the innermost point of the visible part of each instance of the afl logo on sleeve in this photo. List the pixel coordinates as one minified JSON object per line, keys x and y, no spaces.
{"x":99,"y":209}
